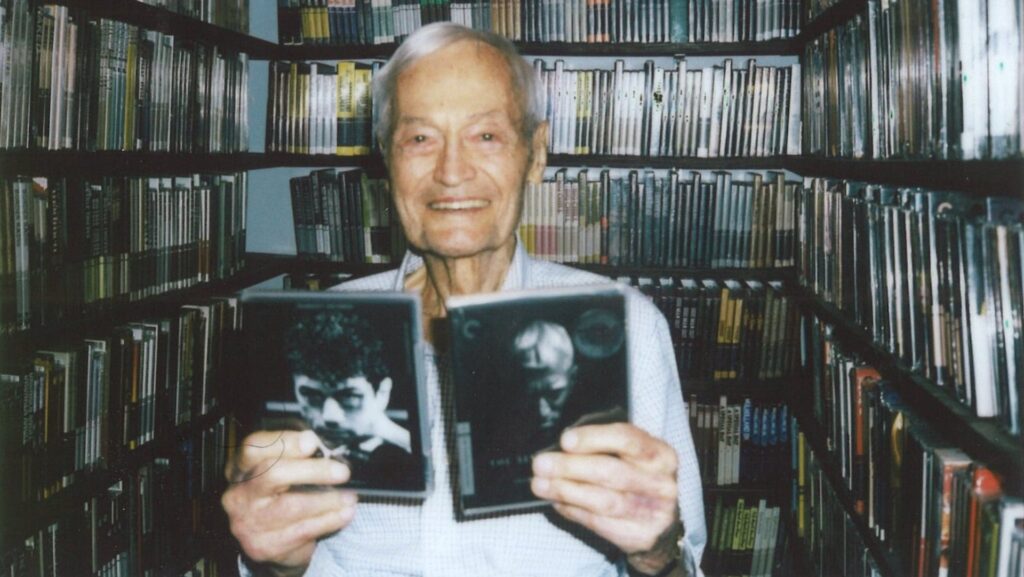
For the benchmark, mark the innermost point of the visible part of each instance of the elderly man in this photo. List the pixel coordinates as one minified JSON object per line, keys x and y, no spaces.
{"x":462,"y":132}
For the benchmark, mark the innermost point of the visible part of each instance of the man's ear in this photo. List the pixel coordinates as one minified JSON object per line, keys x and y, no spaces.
{"x":538,"y":154}
{"x":384,"y":393}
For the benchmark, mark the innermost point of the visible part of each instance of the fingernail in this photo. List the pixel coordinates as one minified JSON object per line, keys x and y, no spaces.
{"x":347,"y":514}
{"x":349,"y":499}
{"x":307,"y":441}
{"x":339,"y":471}
{"x":542,"y":465}
{"x":541,"y":486}
{"x":569,"y":440}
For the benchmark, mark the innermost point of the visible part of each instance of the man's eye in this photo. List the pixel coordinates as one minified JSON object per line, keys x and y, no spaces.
{"x":312,"y":397}
{"x":352,"y":403}
{"x":419,"y":138}
{"x":349,"y":400}
{"x":487,"y":137}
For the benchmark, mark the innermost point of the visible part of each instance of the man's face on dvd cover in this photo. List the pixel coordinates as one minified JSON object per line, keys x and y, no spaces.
{"x":549,"y":393}
{"x":545,"y":354}
{"x":341,"y":412}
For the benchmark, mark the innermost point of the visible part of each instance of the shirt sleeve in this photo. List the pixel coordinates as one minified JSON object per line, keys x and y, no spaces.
{"x":658,"y":408}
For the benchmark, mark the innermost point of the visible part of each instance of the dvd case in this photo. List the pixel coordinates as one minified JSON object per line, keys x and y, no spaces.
{"x":526,"y":365}
{"x":349,"y":367}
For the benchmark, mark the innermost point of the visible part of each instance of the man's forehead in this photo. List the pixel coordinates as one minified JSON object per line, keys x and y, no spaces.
{"x":335,"y":384}
{"x":493,"y":114}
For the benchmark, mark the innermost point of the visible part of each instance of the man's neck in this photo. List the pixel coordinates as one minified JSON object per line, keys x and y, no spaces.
{"x":441,"y":278}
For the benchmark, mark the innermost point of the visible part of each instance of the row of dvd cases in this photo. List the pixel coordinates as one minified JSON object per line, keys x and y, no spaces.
{"x":72,"y":81}
{"x":348,"y":22}
{"x":643,"y":109}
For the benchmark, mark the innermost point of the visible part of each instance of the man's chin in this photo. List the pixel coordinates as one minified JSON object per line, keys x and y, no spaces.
{"x":461,"y":244}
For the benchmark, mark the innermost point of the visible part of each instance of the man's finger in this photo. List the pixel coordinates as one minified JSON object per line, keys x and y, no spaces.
{"x":292,"y":508}
{"x":263,"y":446}
{"x":600,"y":500}
{"x":278,"y":544}
{"x":281,"y":474}
{"x":631,"y":537}
{"x":606,"y":471}
{"x":623,"y":440}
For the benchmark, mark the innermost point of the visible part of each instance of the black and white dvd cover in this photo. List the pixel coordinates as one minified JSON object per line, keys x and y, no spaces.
{"x":349,"y":367}
{"x":526,"y":365}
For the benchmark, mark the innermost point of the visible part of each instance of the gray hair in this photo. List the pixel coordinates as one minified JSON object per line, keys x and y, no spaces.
{"x":437,"y":36}
{"x":543,"y":347}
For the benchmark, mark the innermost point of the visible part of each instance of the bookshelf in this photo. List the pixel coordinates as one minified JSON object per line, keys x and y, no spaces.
{"x":977,"y":177}
{"x":939,"y":418}
{"x":562,"y":49}
{"x":887,"y":564}
{"x":181,"y":26}
{"x":105,"y":496}
{"x":21,"y":343}
{"x":985,"y":439}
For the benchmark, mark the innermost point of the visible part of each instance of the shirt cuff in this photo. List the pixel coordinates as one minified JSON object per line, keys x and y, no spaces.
{"x":687,"y":561}
{"x":243,"y":569}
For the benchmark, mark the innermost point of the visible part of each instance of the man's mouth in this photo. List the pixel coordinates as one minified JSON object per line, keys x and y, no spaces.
{"x":335,"y":438}
{"x":456,"y":205}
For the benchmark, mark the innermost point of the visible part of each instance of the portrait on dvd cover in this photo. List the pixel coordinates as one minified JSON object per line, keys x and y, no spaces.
{"x":346,"y":366}
{"x":526,"y":366}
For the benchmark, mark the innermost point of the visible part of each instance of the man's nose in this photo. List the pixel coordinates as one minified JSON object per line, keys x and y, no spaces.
{"x":453,"y":168}
{"x":334,"y":416}
{"x":545,"y":407}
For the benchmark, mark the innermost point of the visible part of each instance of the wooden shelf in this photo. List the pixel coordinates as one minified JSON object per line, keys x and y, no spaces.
{"x":737,"y":389}
{"x":168,"y":22}
{"x":742,"y":490}
{"x":286,"y":263}
{"x":297,"y":264}
{"x":102,"y":163}
{"x":684,"y":162}
{"x":985,"y":440}
{"x":92,"y":482}
{"x":108,"y":163}
{"x":761,"y":274}
{"x":371,"y":163}
{"x":768,"y":47}
{"x":789,"y":46}
{"x":21,"y":344}
{"x":887,"y":563}
{"x":981,"y":177}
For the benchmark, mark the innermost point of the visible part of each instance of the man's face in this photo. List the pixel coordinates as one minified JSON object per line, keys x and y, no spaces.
{"x":339,"y":412}
{"x":549,"y":392}
{"x":457,"y":158}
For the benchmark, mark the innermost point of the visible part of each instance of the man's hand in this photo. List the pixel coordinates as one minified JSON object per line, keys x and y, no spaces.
{"x":276,"y":527}
{"x":619,"y":482}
